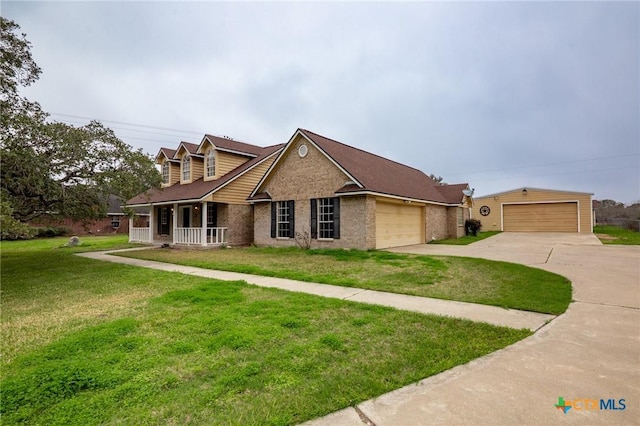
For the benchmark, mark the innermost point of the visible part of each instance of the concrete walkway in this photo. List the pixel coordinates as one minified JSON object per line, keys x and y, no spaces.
{"x":472,"y":311}
{"x":590,"y":352}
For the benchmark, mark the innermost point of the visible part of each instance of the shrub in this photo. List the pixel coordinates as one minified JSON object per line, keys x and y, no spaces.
{"x":51,"y":231}
{"x":472,"y":227}
{"x":11,"y":228}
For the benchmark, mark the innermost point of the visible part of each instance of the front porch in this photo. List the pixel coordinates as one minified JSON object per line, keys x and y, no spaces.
{"x":174,"y":224}
{"x":209,"y":236}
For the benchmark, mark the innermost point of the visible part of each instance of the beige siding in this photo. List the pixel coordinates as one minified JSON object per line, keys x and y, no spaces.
{"x":398,"y":224}
{"x":197,"y":168}
{"x":225,"y":162}
{"x":174,"y":174}
{"x":494,"y":221}
{"x":541,"y":217}
{"x":237,"y":191}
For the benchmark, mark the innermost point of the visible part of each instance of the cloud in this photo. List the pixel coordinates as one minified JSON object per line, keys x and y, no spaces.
{"x":450,"y":88}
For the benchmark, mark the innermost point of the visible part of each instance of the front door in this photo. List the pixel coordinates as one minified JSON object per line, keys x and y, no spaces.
{"x":164,"y":216}
{"x":212,"y":215}
{"x":186,"y":217}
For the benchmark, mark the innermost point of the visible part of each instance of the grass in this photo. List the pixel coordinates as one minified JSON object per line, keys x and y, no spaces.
{"x":466,"y":240}
{"x":455,"y":278}
{"x":616,"y":235}
{"x":87,"y":243}
{"x":90,"y":342}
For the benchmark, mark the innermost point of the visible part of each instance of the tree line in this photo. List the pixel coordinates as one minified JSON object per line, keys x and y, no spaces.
{"x":614,"y":212}
{"x":49,"y":168}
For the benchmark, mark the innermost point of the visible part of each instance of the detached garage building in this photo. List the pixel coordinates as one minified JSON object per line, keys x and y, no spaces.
{"x":535,"y":210}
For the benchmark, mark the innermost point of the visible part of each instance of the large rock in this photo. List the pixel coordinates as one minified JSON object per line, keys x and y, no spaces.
{"x":74,"y":241}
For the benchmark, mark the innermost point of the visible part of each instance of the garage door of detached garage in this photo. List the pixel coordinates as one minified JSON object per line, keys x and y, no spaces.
{"x":398,"y":225}
{"x":541,"y":217}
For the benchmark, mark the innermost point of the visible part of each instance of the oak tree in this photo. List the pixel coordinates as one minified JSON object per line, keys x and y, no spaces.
{"x":53,"y":168}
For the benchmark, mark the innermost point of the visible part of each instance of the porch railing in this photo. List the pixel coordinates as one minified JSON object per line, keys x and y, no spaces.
{"x":193,"y":236}
{"x":139,"y":235}
{"x":216,"y":236}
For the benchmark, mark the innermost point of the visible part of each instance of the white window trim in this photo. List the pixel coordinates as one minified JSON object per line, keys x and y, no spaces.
{"x":211,"y":163}
{"x":327,"y":203}
{"x":166,"y":173}
{"x":280,"y":207}
{"x":186,"y":168}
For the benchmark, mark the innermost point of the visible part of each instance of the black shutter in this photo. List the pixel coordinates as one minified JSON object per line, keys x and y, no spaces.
{"x":158,"y":219}
{"x":336,"y":218}
{"x":274,"y":214}
{"x":292,"y":219}
{"x":314,"y":218}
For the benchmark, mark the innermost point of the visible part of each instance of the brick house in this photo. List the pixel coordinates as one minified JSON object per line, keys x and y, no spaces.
{"x":203,"y":198}
{"x":116,"y":221}
{"x":334,"y":195}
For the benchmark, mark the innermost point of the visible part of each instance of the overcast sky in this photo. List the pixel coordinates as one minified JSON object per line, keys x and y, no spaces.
{"x":499,"y":95}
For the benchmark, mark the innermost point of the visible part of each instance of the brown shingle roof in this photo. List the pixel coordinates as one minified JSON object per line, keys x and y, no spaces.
{"x":381,"y":175}
{"x":453,"y":193}
{"x":233,"y":145}
{"x":167,"y":152}
{"x":199,"y":188}
{"x":191,"y":148}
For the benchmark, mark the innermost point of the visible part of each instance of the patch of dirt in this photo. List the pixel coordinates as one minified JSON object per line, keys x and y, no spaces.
{"x":606,"y":237}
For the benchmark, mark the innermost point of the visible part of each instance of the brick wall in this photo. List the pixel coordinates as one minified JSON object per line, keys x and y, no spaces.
{"x":436,"y":222}
{"x":240,"y":224}
{"x":314,"y":176}
{"x":453,"y":230}
{"x":93,"y":227}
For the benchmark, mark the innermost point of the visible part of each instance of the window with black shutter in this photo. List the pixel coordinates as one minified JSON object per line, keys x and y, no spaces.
{"x":282,"y":219}
{"x":325,"y":218}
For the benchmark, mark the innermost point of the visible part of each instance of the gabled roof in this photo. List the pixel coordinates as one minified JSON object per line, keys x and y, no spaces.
{"x":191,"y":148}
{"x":114,"y":209}
{"x":371,"y":173}
{"x":528,"y":188}
{"x":230,"y":145}
{"x":199,"y":189}
{"x":453,"y":192}
{"x":169,"y":154}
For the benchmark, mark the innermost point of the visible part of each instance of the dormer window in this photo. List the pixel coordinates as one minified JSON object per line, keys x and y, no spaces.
{"x":211,"y":163}
{"x":165,"y":172}
{"x":186,"y":168}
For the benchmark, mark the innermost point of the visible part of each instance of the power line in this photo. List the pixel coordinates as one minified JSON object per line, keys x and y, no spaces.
{"x":128,"y":124}
{"x":131,"y":130}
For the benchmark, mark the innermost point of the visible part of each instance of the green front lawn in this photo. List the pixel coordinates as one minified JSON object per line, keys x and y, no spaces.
{"x":466,"y":240}
{"x":455,"y":278}
{"x":90,"y":342}
{"x":616,"y":235}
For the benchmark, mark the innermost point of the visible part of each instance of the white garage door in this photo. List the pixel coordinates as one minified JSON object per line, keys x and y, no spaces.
{"x":541,"y":217}
{"x":398,"y":225}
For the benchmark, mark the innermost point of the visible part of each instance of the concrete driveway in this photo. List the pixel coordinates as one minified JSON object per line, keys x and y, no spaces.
{"x":590,"y":353}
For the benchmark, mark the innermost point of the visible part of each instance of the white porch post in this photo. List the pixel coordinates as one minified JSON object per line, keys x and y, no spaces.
{"x":151,"y":224}
{"x":130,"y":227}
{"x":175,"y":221}
{"x":203,"y":221}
